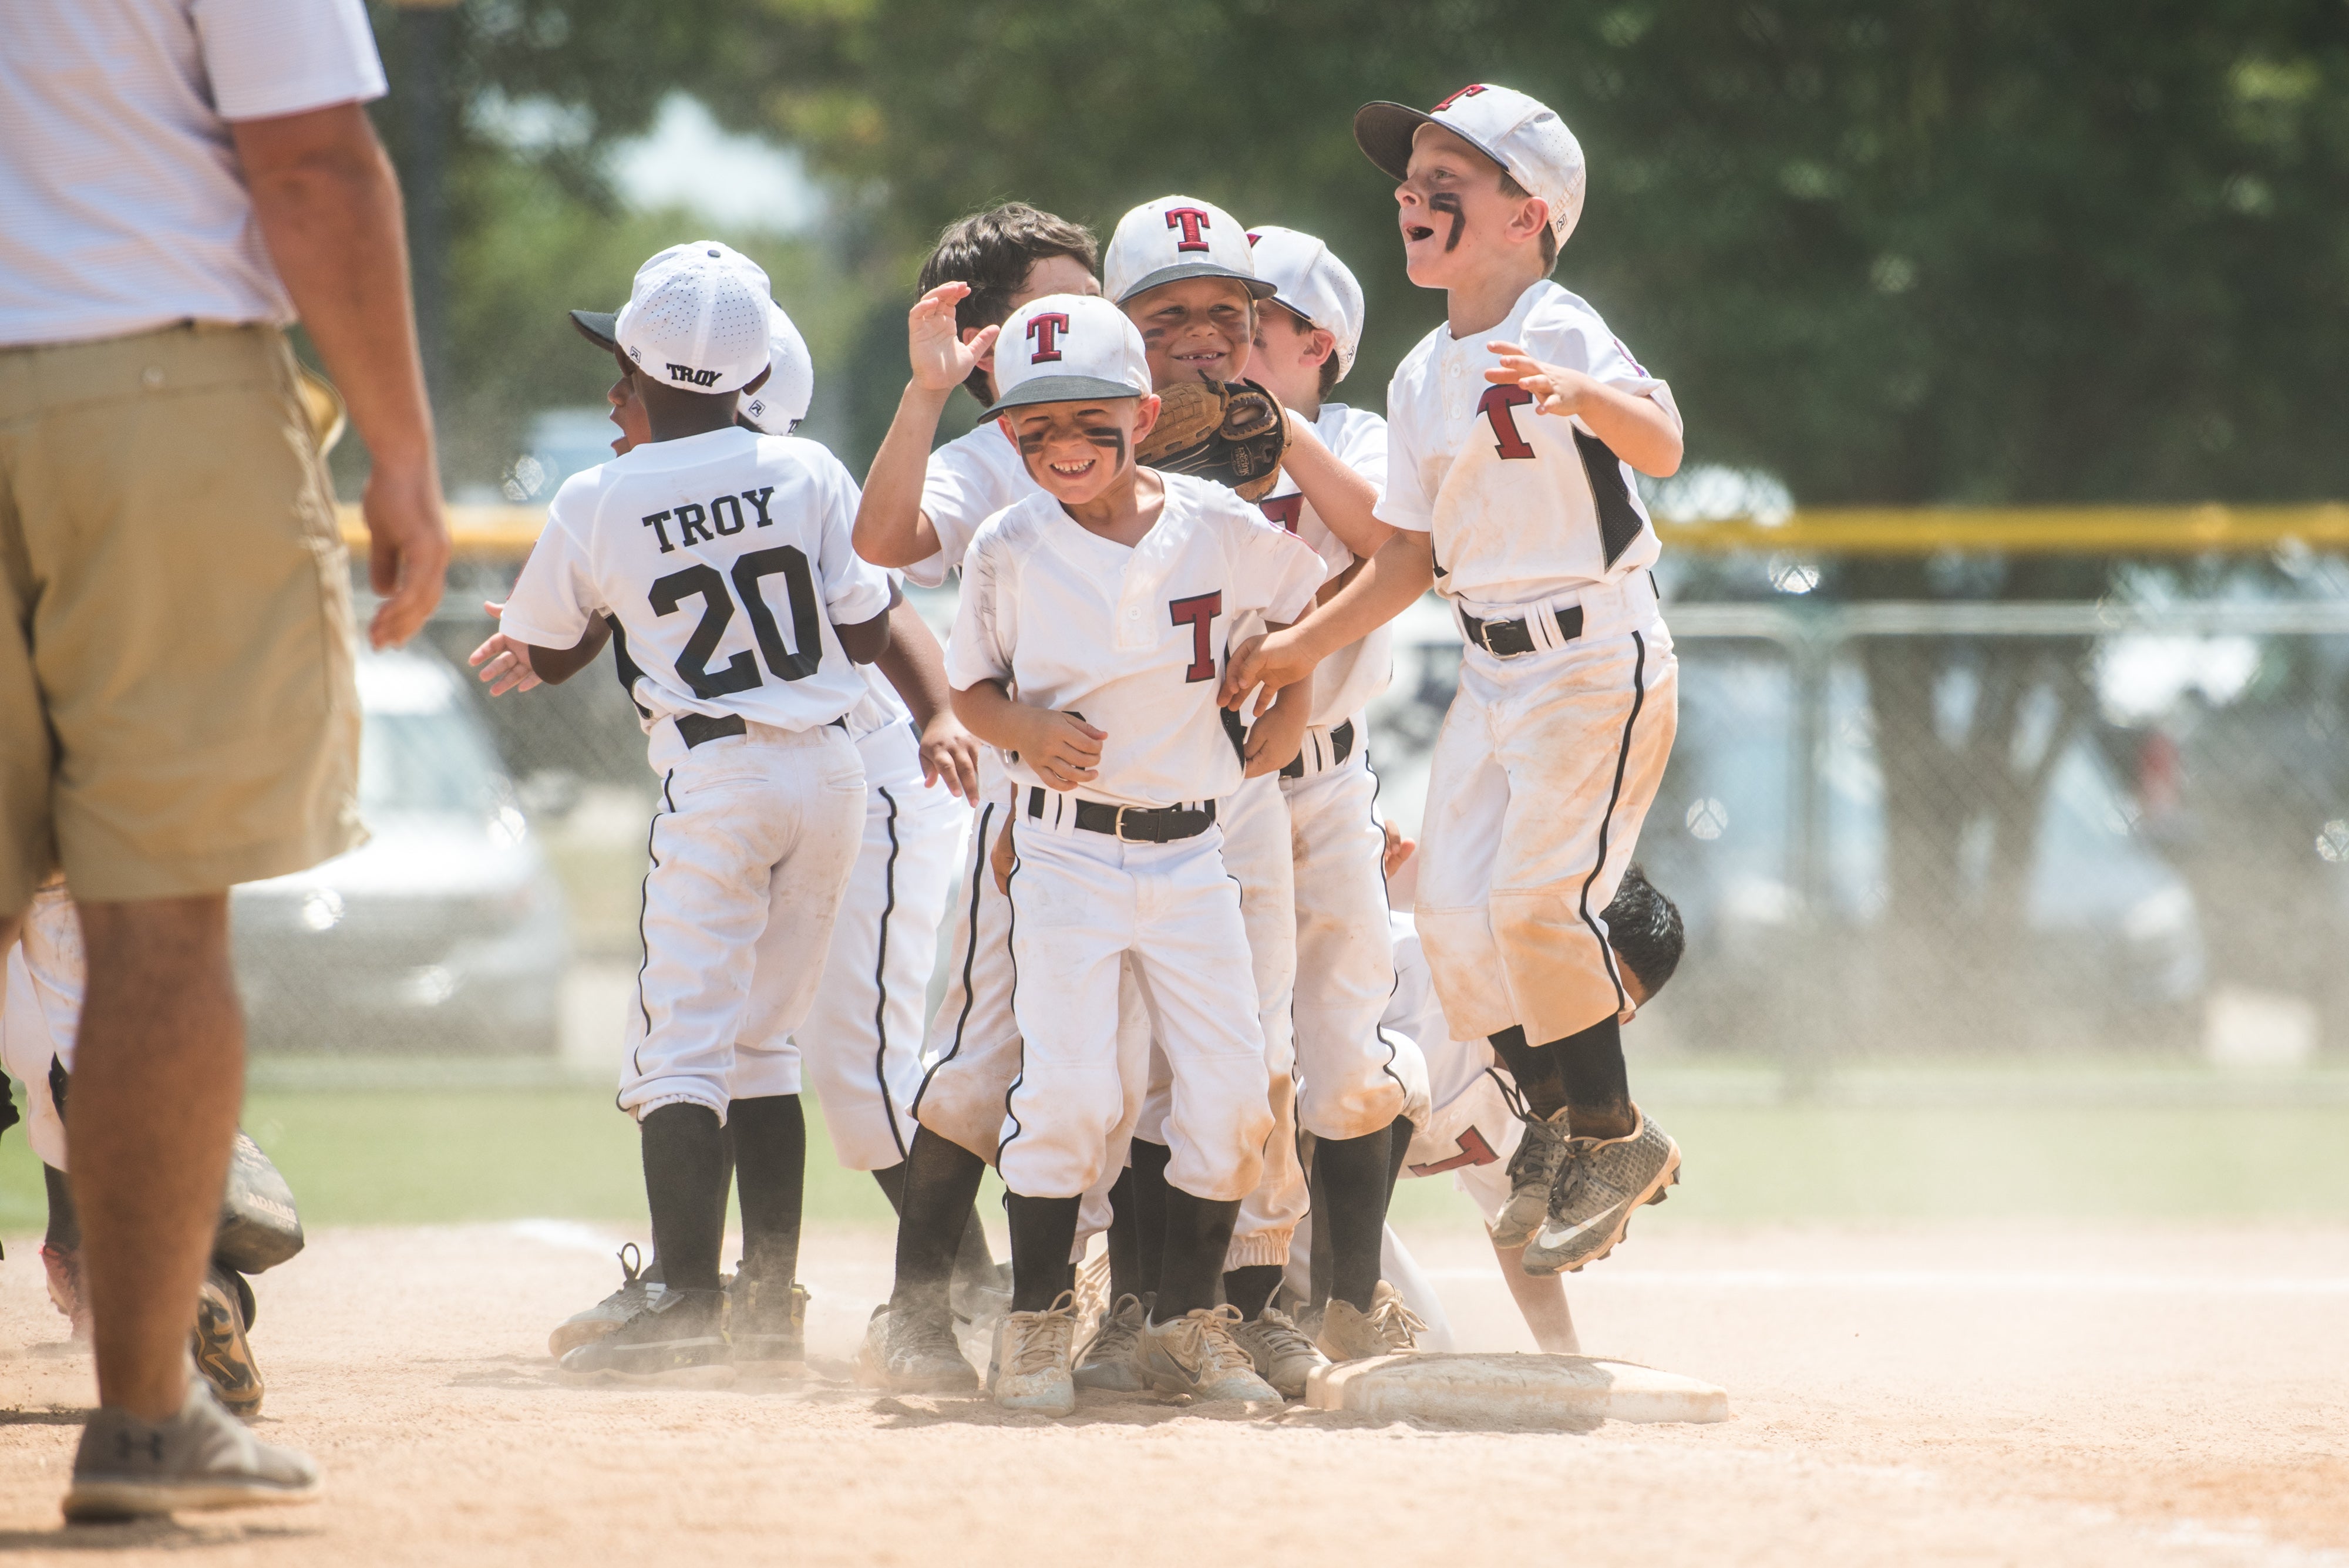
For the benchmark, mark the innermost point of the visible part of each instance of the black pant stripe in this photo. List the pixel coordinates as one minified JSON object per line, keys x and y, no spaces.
{"x":881,"y":980}
{"x":644,"y":906}
{"x":969,"y":952}
{"x":1615,"y":795}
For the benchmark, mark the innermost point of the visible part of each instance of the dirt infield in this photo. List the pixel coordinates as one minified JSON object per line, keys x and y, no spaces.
{"x":1995,"y":1395}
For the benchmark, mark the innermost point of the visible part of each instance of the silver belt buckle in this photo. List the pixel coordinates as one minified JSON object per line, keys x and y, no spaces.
{"x":1119,"y":826}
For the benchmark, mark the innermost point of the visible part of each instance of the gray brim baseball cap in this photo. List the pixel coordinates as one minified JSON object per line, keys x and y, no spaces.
{"x":596,"y":326}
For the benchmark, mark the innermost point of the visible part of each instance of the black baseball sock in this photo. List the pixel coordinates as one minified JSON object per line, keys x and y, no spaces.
{"x":890,"y":1178}
{"x":935,"y":1198}
{"x":973,"y":1258}
{"x":685,"y":1188}
{"x":1043,"y":1234}
{"x":1399,"y":1132}
{"x":1250,"y":1288}
{"x":771,"y":1169}
{"x":1198,"y":1232}
{"x":1595,"y":1087}
{"x":1150,"y":1189}
{"x":65,"y":1221}
{"x":1534,"y":1068}
{"x":1125,"y":1239}
{"x":1353,"y":1172}
{"x":1319,"y":1245}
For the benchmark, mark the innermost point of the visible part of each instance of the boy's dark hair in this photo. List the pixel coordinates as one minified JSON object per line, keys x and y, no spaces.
{"x":1517,"y":193}
{"x":993,"y":252}
{"x":1643,"y":926}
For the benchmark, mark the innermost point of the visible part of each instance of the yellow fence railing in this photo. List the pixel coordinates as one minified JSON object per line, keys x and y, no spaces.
{"x":505,"y":533}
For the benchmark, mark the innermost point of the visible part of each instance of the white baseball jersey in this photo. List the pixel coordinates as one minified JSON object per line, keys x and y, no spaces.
{"x":968,"y":481}
{"x":1345,"y":682}
{"x":1131,"y":638}
{"x":1524,"y":506}
{"x":725,"y":559}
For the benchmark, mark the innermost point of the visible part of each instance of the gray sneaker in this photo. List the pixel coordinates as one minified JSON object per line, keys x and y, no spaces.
{"x":634,"y":1295}
{"x":1198,"y":1356}
{"x":1532,"y":1173}
{"x":1598,"y":1188}
{"x":919,"y":1355}
{"x":1107,"y":1360}
{"x":201,"y":1458}
{"x":679,"y":1338}
{"x":1284,"y":1357}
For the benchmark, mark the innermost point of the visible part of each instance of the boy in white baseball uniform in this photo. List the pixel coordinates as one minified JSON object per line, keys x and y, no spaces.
{"x":723,"y":555}
{"x":1104,"y":603}
{"x":1512,"y":431}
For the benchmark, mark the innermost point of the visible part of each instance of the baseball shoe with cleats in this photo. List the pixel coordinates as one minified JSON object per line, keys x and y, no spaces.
{"x":222,"y":1353}
{"x":200,"y":1457}
{"x":1108,"y":1361}
{"x":1283,"y":1356}
{"x":1600,"y":1184}
{"x":920,"y":1354}
{"x":1389,"y":1328}
{"x":767,"y":1325}
{"x":679,"y":1337}
{"x":1533,"y":1174}
{"x":1032,"y":1352}
{"x":1197,"y":1355}
{"x":634,"y":1295}
{"x":63,"y":1266}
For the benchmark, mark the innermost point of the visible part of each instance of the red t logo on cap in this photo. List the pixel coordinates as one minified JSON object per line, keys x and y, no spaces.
{"x":1456,"y":98}
{"x":1190,"y":220}
{"x":1045,"y":331}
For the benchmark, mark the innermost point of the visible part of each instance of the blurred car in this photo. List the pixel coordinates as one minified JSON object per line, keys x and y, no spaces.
{"x":447,"y":932}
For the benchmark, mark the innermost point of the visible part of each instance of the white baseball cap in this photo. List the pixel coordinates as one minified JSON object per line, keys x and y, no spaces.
{"x":1068,"y":348}
{"x":1314,"y":284}
{"x":697,"y":318}
{"x":1521,"y":134}
{"x":1173,"y":238}
{"x":782,"y":399}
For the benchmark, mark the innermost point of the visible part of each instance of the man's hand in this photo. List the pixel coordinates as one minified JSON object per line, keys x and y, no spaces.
{"x":950,"y":752}
{"x":942,"y":360}
{"x":407,"y":550}
{"x":1063,"y":749}
{"x":1273,"y":660}
{"x":1556,"y":390}
{"x":503,"y":661}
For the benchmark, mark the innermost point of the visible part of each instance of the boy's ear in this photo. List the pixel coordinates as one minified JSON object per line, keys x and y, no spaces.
{"x":1146,"y":419}
{"x":1325,"y":343}
{"x":1526,"y":223}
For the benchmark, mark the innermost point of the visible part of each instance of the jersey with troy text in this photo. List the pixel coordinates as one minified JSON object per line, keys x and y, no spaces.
{"x":968,"y":481}
{"x":1345,"y":682}
{"x":725,"y":559}
{"x":1522,"y":506}
{"x":1132,"y":640}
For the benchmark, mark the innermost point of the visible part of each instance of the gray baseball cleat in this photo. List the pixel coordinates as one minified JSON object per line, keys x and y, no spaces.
{"x":680,"y":1337}
{"x":1033,"y":1351}
{"x":1600,"y":1185}
{"x":201,"y":1458}
{"x":1389,"y":1328}
{"x":919,"y":1355}
{"x":634,"y":1295}
{"x":767,"y":1325}
{"x":1532,"y":1173}
{"x":1107,"y":1361}
{"x":1198,"y":1356}
{"x":1284,"y":1357}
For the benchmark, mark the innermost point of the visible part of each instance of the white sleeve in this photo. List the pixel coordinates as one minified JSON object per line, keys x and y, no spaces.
{"x":1278,"y":571}
{"x":957,"y":497}
{"x":985,"y":627}
{"x":271,"y":57}
{"x":555,"y":596}
{"x":1364,"y":447}
{"x":854,"y":589}
{"x":1404,"y":501}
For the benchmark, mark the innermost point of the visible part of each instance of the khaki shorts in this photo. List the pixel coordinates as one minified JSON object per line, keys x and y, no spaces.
{"x":176,"y":707}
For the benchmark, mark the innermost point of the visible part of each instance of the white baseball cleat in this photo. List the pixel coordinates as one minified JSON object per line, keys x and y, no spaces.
{"x":1197,"y":1355}
{"x":1389,"y":1328}
{"x":1032,"y":1353}
{"x":1283,"y":1356}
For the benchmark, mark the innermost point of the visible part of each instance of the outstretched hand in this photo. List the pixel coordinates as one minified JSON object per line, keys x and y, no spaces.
{"x":941,"y":359}
{"x":1555,"y":390}
{"x":503,"y":661}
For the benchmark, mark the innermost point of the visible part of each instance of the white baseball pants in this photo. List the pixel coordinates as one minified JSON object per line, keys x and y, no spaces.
{"x":40,"y":1013}
{"x":753,"y":846}
{"x":1345,"y":948}
{"x":1541,"y":779}
{"x":1081,"y":902}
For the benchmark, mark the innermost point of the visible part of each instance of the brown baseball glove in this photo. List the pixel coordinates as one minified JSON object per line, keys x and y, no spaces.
{"x":1232,"y":432}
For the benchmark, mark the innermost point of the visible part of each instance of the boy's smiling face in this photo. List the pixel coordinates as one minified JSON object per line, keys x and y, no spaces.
{"x":1456,"y":223}
{"x":1079,"y":451}
{"x":1195,"y":329}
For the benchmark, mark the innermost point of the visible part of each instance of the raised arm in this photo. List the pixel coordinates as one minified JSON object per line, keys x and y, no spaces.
{"x":891,"y":530}
{"x":1343,"y":497}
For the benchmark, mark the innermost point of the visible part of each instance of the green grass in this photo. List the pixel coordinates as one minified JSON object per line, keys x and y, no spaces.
{"x":361,"y":1155}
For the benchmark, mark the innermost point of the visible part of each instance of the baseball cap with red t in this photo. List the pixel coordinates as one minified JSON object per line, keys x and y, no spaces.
{"x":1068,"y":348}
{"x":1173,"y":238}
{"x":1521,"y":134}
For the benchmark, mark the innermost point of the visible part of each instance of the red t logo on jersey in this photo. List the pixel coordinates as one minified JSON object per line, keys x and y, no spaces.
{"x":1045,"y":331}
{"x":1473,"y":1151}
{"x":1495,"y":405}
{"x":1456,"y":98}
{"x":1198,"y":612}
{"x":1283,"y":509}
{"x":1190,"y":220}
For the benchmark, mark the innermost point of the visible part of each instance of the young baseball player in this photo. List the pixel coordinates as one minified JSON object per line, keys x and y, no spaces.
{"x":723,"y":555}
{"x":1102,"y":603}
{"x":860,"y":1042}
{"x":1512,"y":433}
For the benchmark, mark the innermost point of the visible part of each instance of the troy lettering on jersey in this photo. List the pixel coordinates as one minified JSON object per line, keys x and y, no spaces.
{"x":1190,"y":220}
{"x":692,"y":376}
{"x":1495,"y":405}
{"x":1045,"y":331}
{"x":1198,"y":612}
{"x":1284,"y":510}
{"x":695,"y":522}
{"x":1456,"y":98}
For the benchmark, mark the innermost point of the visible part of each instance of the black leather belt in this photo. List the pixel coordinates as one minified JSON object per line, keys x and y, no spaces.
{"x":1342,"y":746}
{"x":1508,"y":639}
{"x":699,"y":729}
{"x":1132,"y":824}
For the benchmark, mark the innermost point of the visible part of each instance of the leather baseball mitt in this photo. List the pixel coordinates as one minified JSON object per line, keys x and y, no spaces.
{"x":1232,"y":432}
